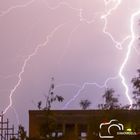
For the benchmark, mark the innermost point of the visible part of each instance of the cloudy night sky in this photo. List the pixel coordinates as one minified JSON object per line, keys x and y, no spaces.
{"x":64,"y":39}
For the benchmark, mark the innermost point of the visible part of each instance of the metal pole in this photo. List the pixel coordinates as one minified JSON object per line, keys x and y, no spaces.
{"x":2,"y":126}
{"x":7,"y":129}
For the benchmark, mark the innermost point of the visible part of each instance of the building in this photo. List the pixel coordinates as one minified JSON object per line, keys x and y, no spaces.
{"x":88,"y":124}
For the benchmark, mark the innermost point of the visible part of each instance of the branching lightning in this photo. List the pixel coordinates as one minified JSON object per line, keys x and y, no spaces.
{"x":86,"y":84}
{"x":25,"y":63}
{"x":133,"y":37}
{"x":3,"y":13}
{"x":118,"y":45}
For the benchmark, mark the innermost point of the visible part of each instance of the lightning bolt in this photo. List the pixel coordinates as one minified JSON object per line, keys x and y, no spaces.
{"x":25,"y":63}
{"x":28,"y":58}
{"x":86,"y":84}
{"x":3,"y":13}
{"x":133,"y":37}
{"x":118,"y":45}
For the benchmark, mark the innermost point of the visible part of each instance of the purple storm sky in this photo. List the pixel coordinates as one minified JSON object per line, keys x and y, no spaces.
{"x":77,"y":51}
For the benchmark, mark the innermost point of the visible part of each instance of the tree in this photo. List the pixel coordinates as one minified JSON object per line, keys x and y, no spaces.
{"x":85,"y":104}
{"x":48,"y":128}
{"x":50,"y":98}
{"x":101,"y":106}
{"x":39,"y":105}
{"x":136,"y":85}
{"x":22,"y":132}
{"x":111,"y":102}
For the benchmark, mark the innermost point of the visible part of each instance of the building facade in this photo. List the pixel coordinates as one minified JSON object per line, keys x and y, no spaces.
{"x":87,"y":124}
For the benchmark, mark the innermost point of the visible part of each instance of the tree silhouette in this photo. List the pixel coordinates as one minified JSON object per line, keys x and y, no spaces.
{"x":101,"y":106}
{"x":111,"y":102}
{"x":22,"y":132}
{"x":136,"y":92}
{"x":50,"y":98}
{"x":49,"y":126}
{"x":85,"y":104}
{"x":39,"y":105}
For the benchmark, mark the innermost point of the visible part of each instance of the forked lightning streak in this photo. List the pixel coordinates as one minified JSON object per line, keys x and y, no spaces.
{"x":118,"y":45}
{"x":25,"y":63}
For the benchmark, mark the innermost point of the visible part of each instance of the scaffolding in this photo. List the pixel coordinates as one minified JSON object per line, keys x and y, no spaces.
{"x":7,"y":132}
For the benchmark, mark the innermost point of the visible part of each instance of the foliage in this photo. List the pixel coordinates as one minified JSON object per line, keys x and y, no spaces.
{"x":136,"y":85}
{"x":48,"y":128}
{"x":22,"y":132}
{"x":39,"y":105}
{"x":85,"y":104}
{"x":50,"y":98}
{"x":111,"y":102}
